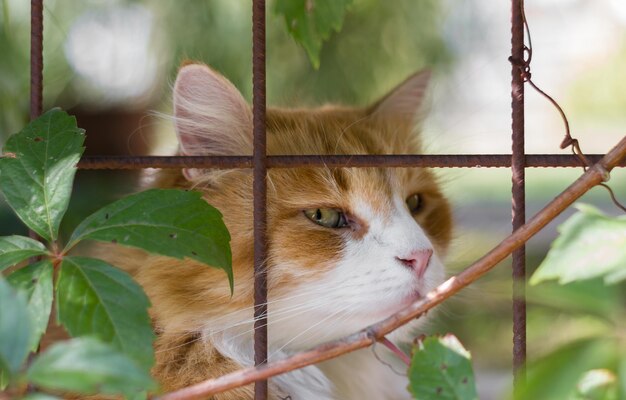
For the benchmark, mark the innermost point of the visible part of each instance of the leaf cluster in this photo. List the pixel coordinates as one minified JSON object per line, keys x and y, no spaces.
{"x":311,"y":22}
{"x":583,"y":274}
{"x":100,"y":306}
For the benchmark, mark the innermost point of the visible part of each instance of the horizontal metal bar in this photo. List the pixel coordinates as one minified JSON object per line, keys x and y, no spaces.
{"x":356,"y":161}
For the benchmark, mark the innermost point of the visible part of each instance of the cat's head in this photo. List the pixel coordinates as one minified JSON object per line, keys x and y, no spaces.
{"x":347,"y":246}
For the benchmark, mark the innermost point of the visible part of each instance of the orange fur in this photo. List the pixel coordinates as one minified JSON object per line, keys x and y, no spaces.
{"x":185,"y":295}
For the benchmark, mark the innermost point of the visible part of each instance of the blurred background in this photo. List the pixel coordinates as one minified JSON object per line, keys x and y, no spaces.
{"x":112,"y":64}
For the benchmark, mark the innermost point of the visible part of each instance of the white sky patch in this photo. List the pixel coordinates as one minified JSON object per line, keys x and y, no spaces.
{"x":111,"y":49}
{"x":619,"y":6}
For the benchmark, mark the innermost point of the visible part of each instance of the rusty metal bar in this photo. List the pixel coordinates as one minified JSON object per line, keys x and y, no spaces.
{"x":36,"y":58}
{"x":353,"y":161}
{"x":36,"y":71}
{"x":518,"y":164}
{"x":259,"y":158}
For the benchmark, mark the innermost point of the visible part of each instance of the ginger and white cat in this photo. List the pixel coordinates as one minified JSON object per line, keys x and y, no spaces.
{"x":347,"y":246}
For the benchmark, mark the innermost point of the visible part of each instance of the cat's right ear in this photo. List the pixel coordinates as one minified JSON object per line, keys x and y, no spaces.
{"x":211,"y":116}
{"x":405,"y":101}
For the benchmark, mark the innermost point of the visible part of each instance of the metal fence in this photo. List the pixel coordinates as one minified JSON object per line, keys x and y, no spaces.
{"x":518,"y":161}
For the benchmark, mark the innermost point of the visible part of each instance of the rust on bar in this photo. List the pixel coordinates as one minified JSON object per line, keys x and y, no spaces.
{"x":352,"y":161}
{"x":259,"y":192}
{"x":36,"y":58}
{"x":36,"y":72}
{"x":518,"y":164}
{"x":594,"y":176}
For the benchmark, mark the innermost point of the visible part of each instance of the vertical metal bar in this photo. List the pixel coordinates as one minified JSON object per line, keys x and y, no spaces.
{"x":36,"y":68}
{"x":36,"y":58}
{"x":518,"y":195}
{"x":259,"y":191}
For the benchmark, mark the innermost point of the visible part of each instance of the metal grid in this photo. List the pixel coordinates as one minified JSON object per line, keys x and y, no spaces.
{"x":260,"y":162}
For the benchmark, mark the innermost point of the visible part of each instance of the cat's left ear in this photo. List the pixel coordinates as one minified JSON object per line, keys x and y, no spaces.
{"x":405,"y":100}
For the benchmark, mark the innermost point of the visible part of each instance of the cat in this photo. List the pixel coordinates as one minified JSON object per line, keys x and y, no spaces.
{"x":347,"y":246}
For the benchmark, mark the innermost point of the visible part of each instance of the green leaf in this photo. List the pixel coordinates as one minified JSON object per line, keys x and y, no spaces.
{"x":597,"y":384}
{"x":37,"y":175}
{"x":590,"y":245}
{"x":169,"y":222}
{"x":39,"y":396}
{"x":621,"y":372}
{"x":310,"y":22}
{"x":96,"y":299}
{"x":36,"y":282}
{"x":589,"y":297}
{"x":441,"y":368}
{"x":4,"y":376}
{"x":555,"y":375}
{"x":14,"y":249}
{"x":15,"y":329}
{"x":88,"y":366}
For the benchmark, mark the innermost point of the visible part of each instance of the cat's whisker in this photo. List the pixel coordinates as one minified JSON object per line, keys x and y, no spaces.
{"x":307,"y":330}
{"x":289,"y":310}
{"x":285,"y":312}
{"x":197,"y":338}
{"x":332,"y":330}
{"x":305,"y":307}
{"x":295,"y":309}
{"x":345,"y":129}
{"x":306,"y":293}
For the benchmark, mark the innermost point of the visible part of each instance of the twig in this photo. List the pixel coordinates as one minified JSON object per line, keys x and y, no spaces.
{"x":593,"y":176}
{"x":395,"y":350}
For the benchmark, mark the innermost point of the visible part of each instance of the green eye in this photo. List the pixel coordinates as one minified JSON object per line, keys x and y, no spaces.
{"x":327,"y":217}
{"x":414,"y":203}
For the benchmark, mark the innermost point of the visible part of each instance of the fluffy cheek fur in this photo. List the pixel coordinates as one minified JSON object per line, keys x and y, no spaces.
{"x":335,"y":282}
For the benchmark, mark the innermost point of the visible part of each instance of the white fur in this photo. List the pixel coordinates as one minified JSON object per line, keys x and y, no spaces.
{"x":366,"y":285}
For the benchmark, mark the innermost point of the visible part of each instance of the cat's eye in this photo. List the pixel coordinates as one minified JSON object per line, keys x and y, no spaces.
{"x":327,"y":217}
{"x":414,"y":203}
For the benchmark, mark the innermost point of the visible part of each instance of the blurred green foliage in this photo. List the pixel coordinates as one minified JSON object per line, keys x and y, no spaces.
{"x":590,"y":244}
{"x":311,"y":22}
{"x":378,"y":46}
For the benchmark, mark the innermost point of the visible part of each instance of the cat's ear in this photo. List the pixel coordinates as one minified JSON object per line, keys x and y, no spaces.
{"x":211,"y":116}
{"x":405,"y":100}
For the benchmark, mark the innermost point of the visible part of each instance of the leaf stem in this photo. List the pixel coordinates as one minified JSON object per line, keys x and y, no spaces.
{"x":396,"y":350}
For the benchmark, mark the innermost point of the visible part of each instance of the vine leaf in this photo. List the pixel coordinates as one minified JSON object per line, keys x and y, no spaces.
{"x":597,"y":384}
{"x":169,"y":222}
{"x":37,"y":179}
{"x":96,"y":299}
{"x":310,"y":22}
{"x":441,"y":368}
{"x":15,"y":330}
{"x":590,"y":296}
{"x":590,"y":245}
{"x":35,"y":281}
{"x":88,"y":366}
{"x":555,"y":375}
{"x":15,"y":249}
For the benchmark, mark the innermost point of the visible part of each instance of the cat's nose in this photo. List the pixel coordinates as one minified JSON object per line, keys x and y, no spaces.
{"x":417,"y":261}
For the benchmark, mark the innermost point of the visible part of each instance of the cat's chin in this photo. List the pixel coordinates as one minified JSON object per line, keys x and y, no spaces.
{"x":404,"y":302}
{"x":413,"y":297}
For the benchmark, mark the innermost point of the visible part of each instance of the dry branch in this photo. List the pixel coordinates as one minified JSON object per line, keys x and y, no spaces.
{"x":594,"y":175}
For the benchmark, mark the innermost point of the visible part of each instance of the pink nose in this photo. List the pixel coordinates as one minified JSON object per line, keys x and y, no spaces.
{"x":417,"y":261}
